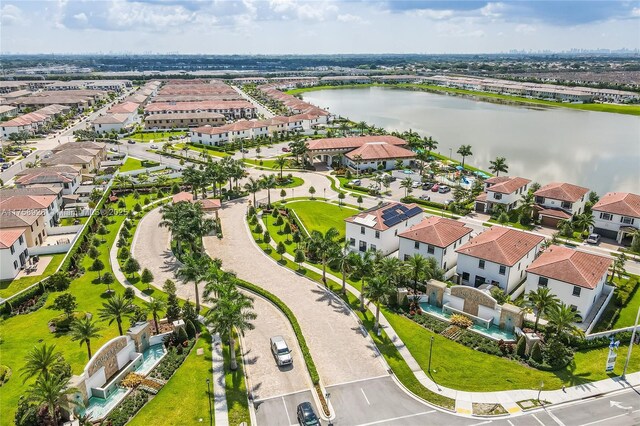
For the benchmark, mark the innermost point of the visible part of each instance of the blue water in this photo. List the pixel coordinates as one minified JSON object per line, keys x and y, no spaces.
{"x":99,"y":408}
{"x":151,"y":356}
{"x":492,"y":332}
{"x":407,"y":172}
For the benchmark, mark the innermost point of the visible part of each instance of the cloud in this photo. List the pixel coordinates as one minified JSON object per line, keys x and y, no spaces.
{"x":11,"y":15}
{"x":347,"y":17}
{"x":525,"y":29}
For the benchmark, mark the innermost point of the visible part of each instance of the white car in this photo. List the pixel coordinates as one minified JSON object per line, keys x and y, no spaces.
{"x":154,"y":146}
{"x":593,"y":239}
{"x":281,"y":351}
{"x":415,"y":184}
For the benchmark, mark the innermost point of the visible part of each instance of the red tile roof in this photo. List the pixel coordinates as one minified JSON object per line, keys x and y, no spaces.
{"x":437,"y":231}
{"x":373,"y":218}
{"x":622,"y":203}
{"x":124,"y":108}
{"x":571,"y":266}
{"x":562,"y":191}
{"x":20,"y":202}
{"x":10,"y":236}
{"x":379,"y":151}
{"x":501,"y":245}
{"x":560,"y":214}
{"x":352,"y":142}
{"x":506,"y":184}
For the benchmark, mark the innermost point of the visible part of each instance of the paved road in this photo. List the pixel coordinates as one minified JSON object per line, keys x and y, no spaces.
{"x":261,"y":109}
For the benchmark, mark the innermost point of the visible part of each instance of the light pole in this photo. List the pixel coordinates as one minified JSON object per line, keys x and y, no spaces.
{"x":430,"y":351}
{"x":540,"y":391}
{"x":633,"y":335}
{"x":324,"y":191}
{"x":209,"y":397}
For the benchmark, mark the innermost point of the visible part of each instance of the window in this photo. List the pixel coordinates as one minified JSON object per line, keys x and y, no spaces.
{"x":362,"y":230}
{"x":539,"y":200}
{"x":21,"y":239}
{"x":502,"y":270}
{"x":416,"y":245}
{"x":481,"y":264}
{"x":352,"y":241}
{"x":444,"y":266}
{"x":606,"y":216}
{"x":15,"y":264}
{"x":444,"y":251}
{"x":497,"y":196}
{"x":372,"y":247}
{"x":626,"y":220}
{"x":406,"y":257}
{"x":13,"y":250}
{"x":566,"y":205}
{"x":465,"y":276}
{"x":543,"y":282}
{"x":377,"y":235}
{"x":363,"y":246}
{"x":431,"y":249}
{"x":576,"y":290}
{"x":574,"y":308}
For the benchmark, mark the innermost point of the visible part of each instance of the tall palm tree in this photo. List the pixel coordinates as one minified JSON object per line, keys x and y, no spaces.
{"x":50,"y":391}
{"x":280,"y":163}
{"x":323,"y":246}
{"x":362,"y":125}
{"x":561,"y":321}
{"x":464,"y":151}
{"x":363,"y":267}
{"x":344,"y":128}
{"x":344,"y":259}
{"x":253,"y":186}
{"x":418,"y":268}
{"x":378,"y":291}
{"x":114,"y":309}
{"x":357,"y":159}
{"x":542,"y":301}
{"x":40,"y":361}
{"x":155,"y":306}
{"x":193,"y":270}
{"x":584,"y":221}
{"x":84,"y":330}
{"x":268,"y":182}
{"x":618,"y":266}
{"x":430,"y":145}
{"x":393,"y":268}
{"x":230,"y":310}
{"x":406,"y":183}
{"x":499,"y":165}
{"x":122,"y":181}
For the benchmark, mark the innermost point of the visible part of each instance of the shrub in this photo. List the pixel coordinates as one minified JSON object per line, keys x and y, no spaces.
{"x":258,"y":229}
{"x":521,"y":347}
{"x":132,"y":380}
{"x":129,"y":293}
{"x":557,"y":354}
{"x":191,"y":329}
{"x":461,"y":321}
{"x":536,"y":352}
{"x":425,"y":203}
{"x":431,"y":323}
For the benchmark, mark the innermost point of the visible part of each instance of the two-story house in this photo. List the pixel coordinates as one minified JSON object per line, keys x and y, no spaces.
{"x":42,"y":205}
{"x":66,"y":177}
{"x":378,"y":228}
{"x":498,"y":256}
{"x":435,"y":237}
{"x":617,"y":216}
{"x":32,"y":224}
{"x":575,"y":277}
{"x":13,"y":252}
{"x":501,"y":190}
{"x":557,"y":201}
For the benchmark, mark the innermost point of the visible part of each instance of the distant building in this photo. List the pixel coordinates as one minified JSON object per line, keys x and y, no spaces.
{"x":66,"y":177}
{"x":559,"y":201}
{"x":184,"y":120}
{"x":617,"y":216}
{"x":501,"y":190}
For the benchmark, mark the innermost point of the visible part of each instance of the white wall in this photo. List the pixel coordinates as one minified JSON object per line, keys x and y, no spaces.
{"x":444,"y":260}
{"x":387,"y":243}
{"x":576,"y":208}
{"x":614,"y":224}
{"x":211,"y":140}
{"x":8,"y":270}
{"x":564,"y":291}
{"x":388,"y":164}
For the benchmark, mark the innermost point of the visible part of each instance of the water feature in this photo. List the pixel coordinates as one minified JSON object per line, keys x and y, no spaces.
{"x":98,"y":408}
{"x":593,"y":149}
{"x":151,"y":356}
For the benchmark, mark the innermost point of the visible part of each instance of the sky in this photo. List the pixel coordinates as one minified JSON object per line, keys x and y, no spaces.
{"x":315,"y":27}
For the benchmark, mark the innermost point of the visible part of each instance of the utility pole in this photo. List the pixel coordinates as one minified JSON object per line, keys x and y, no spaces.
{"x":209,"y":398}
{"x":430,"y":351}
{"x":633,"y":336}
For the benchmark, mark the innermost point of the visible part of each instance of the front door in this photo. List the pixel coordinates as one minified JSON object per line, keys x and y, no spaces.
{"x":479,"y":281}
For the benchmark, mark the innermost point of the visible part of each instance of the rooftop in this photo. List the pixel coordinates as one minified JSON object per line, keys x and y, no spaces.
{"x":437,"y":231}
{"x":352,"y":142}
{"x":10,"y":236}
{"x":506,"y":184}
{"x":501,"y":245}
{"x":385,"y":216}
{"x":622,"y":203}
{"x":379,"y":151}
{"x":562,"y":191}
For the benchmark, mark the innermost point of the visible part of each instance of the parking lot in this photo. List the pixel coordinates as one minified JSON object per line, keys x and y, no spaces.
{"x":397,"y":192}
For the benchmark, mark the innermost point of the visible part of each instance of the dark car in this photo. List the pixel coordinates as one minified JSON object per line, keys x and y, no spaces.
{"x":5,"y":166}
{"x":306,"y":415}
{"x":428,"y":185}
{"x":131,"y":142}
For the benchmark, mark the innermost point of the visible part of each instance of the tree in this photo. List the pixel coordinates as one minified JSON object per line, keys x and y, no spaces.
{"x":418,"y":266}
{"x":268,"y":182}
{"x":407,"y":184}
{"x":146,"y":277}
{"x":430,"y":145}
{"x":131,"y":266}
{"x":584,"y":222}
{"x":536,"y":352}
{"x":566,"y":228}
{"x":521,"y":346}
{"x":65,"y":302}
{"x":98,"y":266}
{"x":357,"y":159}
{"x":155,"y":306}
{"x":114,"y":309}
{"x":280,"y":163}
{"x":287,"y":230}
{"x":93,"y":252}
{"x":281,"y":249}
{"x":359,"y":201}
{"x":635,"y":241}
{"x":363,"y":267}
{"x":283,"y":194}
{"x":561,"y":320}
{"x":542,"y":301}
{"x":49,"y":391}
{"x":362,"y":125}
{"x":344,"y":260}
{"x":108,"y":279}
{"x":498,"y":165}
{"x":464,"y":151}
{"x":322,"y":245}
{"x":300,"y":257}
{"x":59,"y":281}
{"x":378,"y":291}
{"x":230,"y":310}
{"x":618,"y":266}
{"x":312,"y":191}
{"x":341,"y":198}
{"x":83,"y":330}
{"x":266,"y":237}
{"x":194,"y":270}
{"x":41,"y":361}
{"x":253,"y":186}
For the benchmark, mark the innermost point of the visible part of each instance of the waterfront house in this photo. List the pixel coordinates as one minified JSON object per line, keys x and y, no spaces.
{"x":617,"y":216}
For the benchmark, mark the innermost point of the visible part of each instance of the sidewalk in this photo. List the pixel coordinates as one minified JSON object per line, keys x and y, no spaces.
{"x":508,"y":399}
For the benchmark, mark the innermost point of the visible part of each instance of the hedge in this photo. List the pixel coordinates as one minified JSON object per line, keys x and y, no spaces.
{"x":425,"y":203}
{"x":313,"y":372}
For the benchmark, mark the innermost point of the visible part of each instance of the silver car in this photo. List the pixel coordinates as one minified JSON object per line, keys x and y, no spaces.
{"x":281,"y":351}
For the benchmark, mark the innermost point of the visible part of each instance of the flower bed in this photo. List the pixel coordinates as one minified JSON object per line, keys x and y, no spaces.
{"x":130,"y":405}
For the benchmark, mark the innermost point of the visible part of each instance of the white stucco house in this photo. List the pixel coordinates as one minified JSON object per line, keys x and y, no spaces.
{"x":435,"y":237}
{"x":13,"y":252}
{"x":617,"y":216}
{"x":208,"y":135}
{"x":575,"y":277}
{"x":378,"y":227}
{"x":501,"y":190}
{"x":559,"y":201}
{"x":498,"y":256}
{"x":46,"y":206}
{"x":108,"y":122}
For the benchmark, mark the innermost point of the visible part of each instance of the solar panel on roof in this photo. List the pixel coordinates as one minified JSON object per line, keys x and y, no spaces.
{"x":414,"y":211}
{"x":393,"y":221}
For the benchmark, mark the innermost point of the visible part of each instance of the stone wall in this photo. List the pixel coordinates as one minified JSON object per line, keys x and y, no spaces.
{"x":472,"y":298}
{"x":107,"y":357}
{"x":435,"y":291}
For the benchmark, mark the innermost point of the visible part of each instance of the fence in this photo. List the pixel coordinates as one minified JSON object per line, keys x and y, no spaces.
{"x":603,"y":308}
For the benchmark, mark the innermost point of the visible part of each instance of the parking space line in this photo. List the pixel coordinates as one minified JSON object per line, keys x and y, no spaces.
{"x":365,"y":396}
{"x":537,"y":419}
{"x":482,"y":423}
{"x":286,"y":410}
{"x":604,"y":420}
{"x":397,"y":418}
{"x":554,"y":418}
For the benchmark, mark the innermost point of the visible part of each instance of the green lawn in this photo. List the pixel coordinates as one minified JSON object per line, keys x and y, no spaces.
{"x":628,"y":314}
{"x":183,"y":400}
{"x":155,"y":136}
{"x":131,"y":164}
{"x":68,"y":221}
{"x":296,"y":181}
{"x":516,"y":225}
{"x":322,"y":216}
{"x":237,"y":401}
{"x":11,"y":287}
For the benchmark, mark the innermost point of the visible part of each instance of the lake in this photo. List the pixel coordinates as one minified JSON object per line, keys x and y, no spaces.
{"x":598,"y":150}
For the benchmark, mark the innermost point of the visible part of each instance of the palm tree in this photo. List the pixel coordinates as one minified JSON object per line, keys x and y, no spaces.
{"x":407,"y":184}
{"x":363,"y":267}
{"x":418,"y":267}
{"x":114,"y":309}
{"x":84,"y":330}
{"x":618,"y":266}
{"x":584,"y":221}
{"x":393,"y":268}
{"x":464,"y":151}
{"x":499,"y":165}
{"x":430,"y":145}
{"x":253,"y":186}
{"x":280,"y":163}
{"x":193,"y":270}
{"x":155,"y":306}
{"x":362,"y":125}
{"x":41,"y":361}
{"x":344,"y":259}
{"x":230,"y":310}
{"x":561,"y":321}
{"x":323,"y":245}
{"x":122,"y":181}
{"x":378,"y":291}
{"x":49,"y":391}
{"x":344,"y":128}
{"x":542,"y":300}
{"x":357,"y":159}
{"x":268,"y":182}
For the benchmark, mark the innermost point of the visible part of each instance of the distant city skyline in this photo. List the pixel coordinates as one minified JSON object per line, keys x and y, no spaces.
{"x":317,"y":27}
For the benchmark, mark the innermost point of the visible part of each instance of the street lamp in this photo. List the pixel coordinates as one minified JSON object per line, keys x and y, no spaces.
{"x":450,"y":153}
{"x":324,"y":191}
{"x":633,"y":336}
{"x":430,"y":351}
{"x":209,"y":397}
{"x":540,"y":390}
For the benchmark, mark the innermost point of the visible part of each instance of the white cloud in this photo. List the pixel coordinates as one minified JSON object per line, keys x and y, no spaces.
{"x":347,"y":17}
{"x":81,"y":17}
{"x":11,"y":15}
{"x":635,"y":12}
{"x":435,"y":15}
{"x":525,"y":29}
{"x":493,"y":10}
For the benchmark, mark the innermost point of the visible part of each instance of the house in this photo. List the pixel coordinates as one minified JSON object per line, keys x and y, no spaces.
{"x":575,"y":277}
{"x":99,"y":147}
{"x":110,"y":122}
{"x":209,"y":205}
{"x":87,"y":159}
{"x":559,"y":201}
{"x":230,"y":109}
{"x":128,"y":108}
{"x":183,"y":120}
{"x":361,"y":152}
{"x":13,"y":252}
{"x":498,"y":256}
{"x":30,"y":123}
{"x":435,"y":237}
{"x":617,"y":216}
{"x":378,"y":156}
{"x":378,"y":228}
{"x":66,"y":177}
{"x":501,"y":190}
{"x":32,"y":224}
{"x":8,"y":111}
{"x":34,"y":190}
{"x":41,"y":205}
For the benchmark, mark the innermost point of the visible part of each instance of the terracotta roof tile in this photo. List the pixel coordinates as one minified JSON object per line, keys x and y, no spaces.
{"x":506,"y":184}
{"x":437,"y":231}
{"x":352,"y":142}
{"x":501,"y":245}
{"x":562,"y":191}
{"x":379,"y":151}
{"x":10,"y":236}
{"x":375,"y":217}
{"x":622,"y":203}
